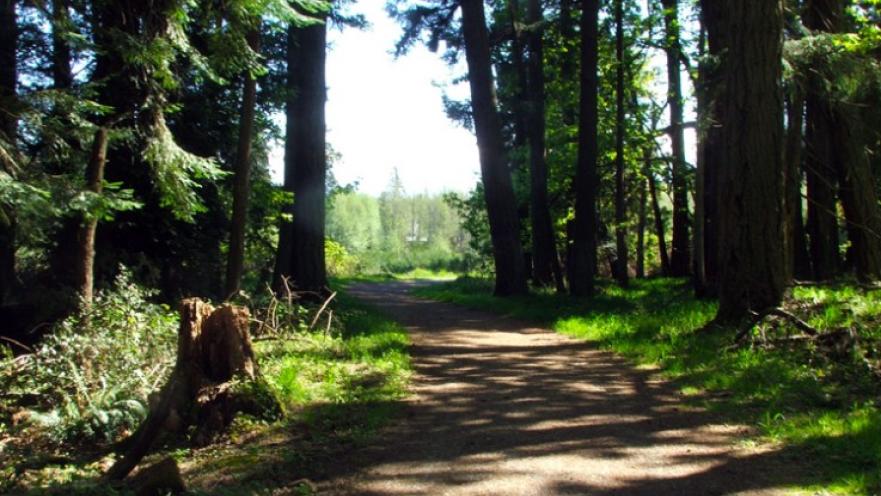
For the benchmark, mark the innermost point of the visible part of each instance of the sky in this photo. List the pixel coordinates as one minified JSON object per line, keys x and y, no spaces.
{"x":384,"y":113}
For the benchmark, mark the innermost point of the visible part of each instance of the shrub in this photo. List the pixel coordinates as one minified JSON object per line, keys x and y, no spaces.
{"x":91,"y":375}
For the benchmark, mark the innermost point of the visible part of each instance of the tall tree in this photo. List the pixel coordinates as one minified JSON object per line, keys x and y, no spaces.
{"x":8,"y":132}
{"x":242,"y":179}
{"x":582,"y":266}
{"x":546,"y":264}
{"x":62,"y":73}
{"x":621,"y":262}
{"x":301,"y":255}
{"x":679,"y":259}
{"x":500,"y":201}
{"x":85,"y":260}
{"x":711,"y":106}
{"x":798,"y":262}
{"x":751,"y":194}
{"x":820,"y":168}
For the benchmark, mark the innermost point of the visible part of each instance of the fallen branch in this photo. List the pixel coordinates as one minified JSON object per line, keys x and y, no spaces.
{"x":320,"y":310}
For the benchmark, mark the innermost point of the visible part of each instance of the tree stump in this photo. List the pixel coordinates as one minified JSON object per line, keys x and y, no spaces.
{"x":214,"y":353}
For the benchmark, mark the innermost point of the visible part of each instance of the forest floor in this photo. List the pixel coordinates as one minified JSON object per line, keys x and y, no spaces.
{"x":501,"y":407}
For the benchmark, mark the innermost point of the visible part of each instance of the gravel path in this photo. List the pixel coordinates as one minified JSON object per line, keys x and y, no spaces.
{"x":498,"y":407}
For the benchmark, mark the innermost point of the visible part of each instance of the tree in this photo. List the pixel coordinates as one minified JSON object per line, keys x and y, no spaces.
{"x":751,"y":194}
{"x":582,"y":266}
{"x":621,"y":262}
{"x":301,"y":245}
{"x":8,"y":132}
{"x":679,"y":259}
{"x":546,"y":264}
{"x":242,"y":186}
{"x":500,"y":200}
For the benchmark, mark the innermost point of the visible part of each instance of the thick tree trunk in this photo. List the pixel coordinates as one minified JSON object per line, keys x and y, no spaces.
{"x":820,"y":162}
{"x":659,"y":220}
{"x":640,"y":231}
{"x":8,"y":128}
{"x":544,"y":250}
{"x":305,"y":157}
{"x":584,"y":251}
{"x":621,"y":259}
{"x":500,"y":201}
{"x":711,"y":122}
{"x":798,"y":264}
{"x":698,"y":265}
{"x":89,"y":224}
{"x":680,"y":263}
{"x":242,"y":179}
{"x":751,"y":189}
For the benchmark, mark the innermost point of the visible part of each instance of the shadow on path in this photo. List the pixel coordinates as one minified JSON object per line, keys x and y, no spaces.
{"x":499,"y":407}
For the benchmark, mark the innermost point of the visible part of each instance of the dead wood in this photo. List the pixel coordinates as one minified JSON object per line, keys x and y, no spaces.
{"x":214,"y":353}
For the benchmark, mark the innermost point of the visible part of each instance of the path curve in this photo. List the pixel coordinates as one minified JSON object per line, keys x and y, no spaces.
{"x":502,"y":408}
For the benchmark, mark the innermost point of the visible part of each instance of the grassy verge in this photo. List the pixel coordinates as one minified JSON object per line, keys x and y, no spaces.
{"x":336,"y":388}
{"x":822,"y":405}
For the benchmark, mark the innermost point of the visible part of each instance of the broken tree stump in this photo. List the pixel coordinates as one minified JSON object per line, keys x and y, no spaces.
{"x":214,"y":353}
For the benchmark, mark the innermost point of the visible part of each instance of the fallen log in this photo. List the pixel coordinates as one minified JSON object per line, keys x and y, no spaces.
{"x":214,"y":355}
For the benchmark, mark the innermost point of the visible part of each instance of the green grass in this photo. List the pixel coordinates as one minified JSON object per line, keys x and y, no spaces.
{"x":824,"y":408}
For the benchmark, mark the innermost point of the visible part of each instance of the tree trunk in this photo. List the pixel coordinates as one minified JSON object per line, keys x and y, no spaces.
{"x":698,"y":265}
{"x":680,"y":256}
{"x":544,"y":251}
{"x":751,"y":189}
{"x":242,"y":180}
{"x":62,"y":75}
{"x":89,"y":224}
{"x":859,"y":198}
{"x":640,"y":231}
{"x":9,"y":130}
{"x":621,"y":259}
{"x":500,"y":201}
{"x":213,"y":352}
{"x":820,"y":162}
{"x":305,"y":157}
{"x":659,"y":220}
{"x":584,"y":250}
{"x":711,"y":125}
{"x":798,"y":264}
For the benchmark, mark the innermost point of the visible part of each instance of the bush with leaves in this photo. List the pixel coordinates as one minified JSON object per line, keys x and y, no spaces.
{"x":90,"y":377}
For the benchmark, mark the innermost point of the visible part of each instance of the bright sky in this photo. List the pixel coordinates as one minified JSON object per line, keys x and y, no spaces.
{"x":384,"y":113}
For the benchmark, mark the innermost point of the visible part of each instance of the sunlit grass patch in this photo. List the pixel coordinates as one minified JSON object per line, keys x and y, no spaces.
{"x":825,"y":407}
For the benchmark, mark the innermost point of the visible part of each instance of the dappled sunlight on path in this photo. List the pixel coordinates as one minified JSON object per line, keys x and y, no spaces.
{"x":498,"y":407}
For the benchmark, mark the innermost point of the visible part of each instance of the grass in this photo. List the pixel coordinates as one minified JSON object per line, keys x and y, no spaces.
{"x":824,"y":407}
{"x":337,"y":390}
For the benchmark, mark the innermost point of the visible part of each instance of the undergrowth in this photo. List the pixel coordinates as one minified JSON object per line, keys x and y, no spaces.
{"x":821,"y":404}
{"x":87,"y":384}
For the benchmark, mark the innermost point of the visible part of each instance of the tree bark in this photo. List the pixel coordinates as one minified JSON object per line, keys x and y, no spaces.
{"x":545,"y":260}
{"x":680,"y":260}
{"x":89,"y":223}
{"x":8,"y":127}
{"x":584,"y":251}
{"x":500,"y":201}
{"x":621,"y":259}
{"x":712,"y":89}
{"x":698,"y":265}
{"x":798,"y":264}
{"x":751,"y":189}
{"x":820,"y":162}
{"x":305,"y":158}
{"x":242,"y":179}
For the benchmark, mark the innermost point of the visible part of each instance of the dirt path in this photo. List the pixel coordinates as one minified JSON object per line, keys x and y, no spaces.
{"x":502,"y":408}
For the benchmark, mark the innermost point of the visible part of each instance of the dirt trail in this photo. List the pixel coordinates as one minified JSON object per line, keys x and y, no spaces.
{"x":501,"y":408}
